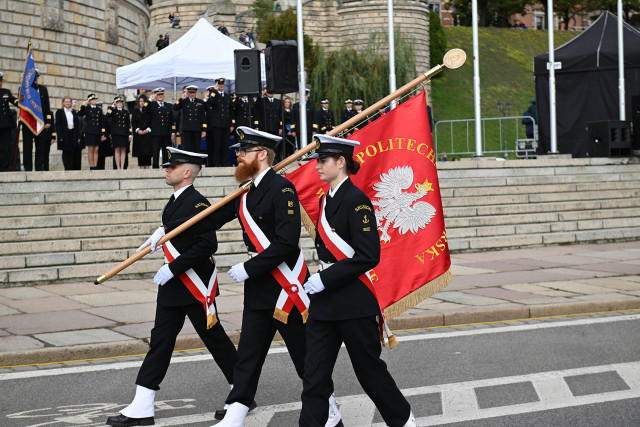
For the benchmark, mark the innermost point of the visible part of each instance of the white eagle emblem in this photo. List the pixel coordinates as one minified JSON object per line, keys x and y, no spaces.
{"x":397,"y":207}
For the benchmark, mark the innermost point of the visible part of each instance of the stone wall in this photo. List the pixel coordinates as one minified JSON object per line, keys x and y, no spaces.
{"x":77,"y":45}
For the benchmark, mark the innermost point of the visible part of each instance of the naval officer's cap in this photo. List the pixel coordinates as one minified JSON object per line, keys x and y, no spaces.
{"x":324,"y":101}
{"x":1,"y":76}
{"x":117,"y":99}
{"x":253,"y":138}
{"x":192,"y":88}
{"x":175,"y":156}
{"x":220,"y":81}
{"x":348,"y":101}
{"x":330,"y":145}
{"x":91,"y":96}
{"x":160,"y":91}
{"x":358,"y":102}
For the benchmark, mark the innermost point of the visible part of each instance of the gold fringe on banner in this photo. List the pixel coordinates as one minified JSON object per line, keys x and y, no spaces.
{"x":280,"y":315}
{"x":419,"y":295}
{"x":212,"y":319}
{"x":305,"y":315}
{"x":308,"y":223}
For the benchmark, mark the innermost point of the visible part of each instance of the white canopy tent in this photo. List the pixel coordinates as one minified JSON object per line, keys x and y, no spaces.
{"x":199,"y":57}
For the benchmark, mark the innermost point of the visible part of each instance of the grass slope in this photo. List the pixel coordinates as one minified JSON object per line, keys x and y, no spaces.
{"x":506,"y":73}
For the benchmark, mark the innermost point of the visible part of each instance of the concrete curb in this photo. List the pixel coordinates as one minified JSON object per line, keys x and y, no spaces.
{"x":450,"y":318}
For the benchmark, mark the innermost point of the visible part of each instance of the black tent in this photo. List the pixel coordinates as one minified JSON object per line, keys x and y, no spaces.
{"x":587,"y":83}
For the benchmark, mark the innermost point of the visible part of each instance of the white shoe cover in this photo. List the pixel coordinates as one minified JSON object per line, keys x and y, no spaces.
{"x":142,"y":405}
{"x":411,"y":422}
{"x":236,"y":414}
{"x":334,"y":412}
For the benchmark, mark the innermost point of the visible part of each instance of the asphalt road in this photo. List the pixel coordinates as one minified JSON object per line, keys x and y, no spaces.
{"x":582,"y":371}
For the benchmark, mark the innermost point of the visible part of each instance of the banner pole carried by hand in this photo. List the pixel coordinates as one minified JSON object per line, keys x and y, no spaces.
{"x":453,"y":59}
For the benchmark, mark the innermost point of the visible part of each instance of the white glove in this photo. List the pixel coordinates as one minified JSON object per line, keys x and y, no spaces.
{"x":314,"y":284}
{"x":153,"y":240}
{"x":163,"y":275}
{"x":238,"y":273}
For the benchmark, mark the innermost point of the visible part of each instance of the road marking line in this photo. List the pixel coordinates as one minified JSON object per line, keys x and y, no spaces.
{"x":278,"y":350}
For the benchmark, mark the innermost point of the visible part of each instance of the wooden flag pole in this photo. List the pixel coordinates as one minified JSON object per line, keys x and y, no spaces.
{"x":453,"y":59}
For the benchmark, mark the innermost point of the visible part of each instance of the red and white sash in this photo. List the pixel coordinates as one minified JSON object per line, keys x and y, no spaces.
{"x":341,"y":250}
{"x":291,"y":281}
{"x":205,"y":294}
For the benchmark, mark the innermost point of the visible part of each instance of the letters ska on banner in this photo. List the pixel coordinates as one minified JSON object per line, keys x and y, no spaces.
{"x":398,"y":173}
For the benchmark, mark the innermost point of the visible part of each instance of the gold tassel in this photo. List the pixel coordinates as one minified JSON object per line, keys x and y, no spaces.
{"x":308,"y":223}
{"x":393,"y":341}
{"x":305,"y":315}
{"x":384,"y":344}
{"x":212,"y":319}
{"x":280,"y":315}
{"x":419,"y":295}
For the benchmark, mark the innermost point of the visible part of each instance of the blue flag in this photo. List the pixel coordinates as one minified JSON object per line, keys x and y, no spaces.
{"x":29,"y":98}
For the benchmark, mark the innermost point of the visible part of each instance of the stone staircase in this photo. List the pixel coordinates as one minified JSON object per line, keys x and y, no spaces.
{"x":74,"y":226}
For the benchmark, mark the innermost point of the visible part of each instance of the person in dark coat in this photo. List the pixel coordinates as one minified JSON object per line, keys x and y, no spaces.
{"x":358,"y":104}
{"x":269,"y":114}
{"x":8,"y":126}
{"x":68,"y":128}
{"x":190,"y":262}
{"x":194,"y":119}
{"x":141,"y":136}
{"x":219,"y":124}
{"x":45,"y":139}
{"x":160,"y":116}
{"x":121,"y":135}
{"x":325,"y":120}
{"x":270,"y":212}
{"x":312,"y":126}
{"x":344,"y":308}
{"x":93,"y":129}
{"x":244,"y":112}
{"x":348,"y":111}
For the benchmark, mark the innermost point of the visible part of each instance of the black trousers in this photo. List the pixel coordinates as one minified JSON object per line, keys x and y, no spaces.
{"x":362,"y":340}
{"x":191,"y":141}
{"x":7,"y":147}
{"x":168,"y":323}
{"x":42,"y":143}
{"x":258,"y":330}
{"x":72,"y":160}
{"x":218,"y":146}
{"x":159,"y":143}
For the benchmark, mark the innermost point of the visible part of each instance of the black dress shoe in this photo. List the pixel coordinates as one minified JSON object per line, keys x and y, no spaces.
{"x":220,"y":413}
{"x":124,"y":421}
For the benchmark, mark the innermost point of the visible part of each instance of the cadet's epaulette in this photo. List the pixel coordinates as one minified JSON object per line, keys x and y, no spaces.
{"x":48,"y":116}
{"x":233,"y":121}
{"x":103,"y":130}
{"x":204,"y":125}
{"x":146,"y":104}
{"x":201,"y":204}
{"x":178,"y":102}
{"x":213,"y":95}
{"x":288,"y":190}
{"x":315,"y":126}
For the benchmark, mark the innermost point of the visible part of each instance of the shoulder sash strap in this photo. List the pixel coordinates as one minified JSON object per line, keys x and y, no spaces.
{"x":340,"y":249}
{"x":291,"y":281}
{"x":205,"y":294}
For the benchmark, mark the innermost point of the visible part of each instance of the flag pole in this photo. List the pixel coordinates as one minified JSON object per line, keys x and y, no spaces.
{"x":16,"y":152}
{"x":453,"y":59}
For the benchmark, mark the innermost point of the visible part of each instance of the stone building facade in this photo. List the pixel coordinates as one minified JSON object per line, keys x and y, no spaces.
{"x":77,"y":44}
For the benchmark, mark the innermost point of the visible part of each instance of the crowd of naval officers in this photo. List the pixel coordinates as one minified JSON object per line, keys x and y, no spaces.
{"x":204,"y":125}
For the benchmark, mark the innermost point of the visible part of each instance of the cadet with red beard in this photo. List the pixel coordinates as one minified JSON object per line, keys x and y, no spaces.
{"x":274,"y":299}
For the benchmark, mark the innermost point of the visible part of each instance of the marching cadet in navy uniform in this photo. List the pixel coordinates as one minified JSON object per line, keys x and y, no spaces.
{"x":269,"y":214}
{"x":219,"y":125}
{"x":194,"y":119}
{"x":121,"y":134}
{"x":8,"y":124}
{"x":343,"y":308}
{"x":162,"y":127}
{"x":45,"y":139}
{"x":93,"y":128}
{"x":189,"y":265}
{"x":357,"y":106}
{"x":269,"y":114}
{"x":312,"y":126}
{"x":325,"y":119}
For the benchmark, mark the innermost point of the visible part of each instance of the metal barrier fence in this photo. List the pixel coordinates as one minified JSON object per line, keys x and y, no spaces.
{"x":500,"y":136}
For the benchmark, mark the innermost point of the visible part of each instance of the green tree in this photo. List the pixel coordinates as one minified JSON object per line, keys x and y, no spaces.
{"x":494,"y":13}
{"x":628,"y":6}
{"x":282,"y":26}
{"x":437,"y":40}
{"x":348,"y":73}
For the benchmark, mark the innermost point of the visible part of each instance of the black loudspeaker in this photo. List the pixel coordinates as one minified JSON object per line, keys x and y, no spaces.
{"x":609,"y":138}
{"x":247,"y":71}
{"x":635,"y":119}
{"x":281,"y":66}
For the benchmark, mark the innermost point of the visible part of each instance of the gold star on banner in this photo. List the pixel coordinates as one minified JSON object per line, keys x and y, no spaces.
{"x":426,"y":185}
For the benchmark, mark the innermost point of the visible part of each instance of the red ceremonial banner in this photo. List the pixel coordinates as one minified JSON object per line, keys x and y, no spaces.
{"x":398,"y":173}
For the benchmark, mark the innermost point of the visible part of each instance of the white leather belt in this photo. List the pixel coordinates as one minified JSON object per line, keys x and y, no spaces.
{"x":252,"y":254}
